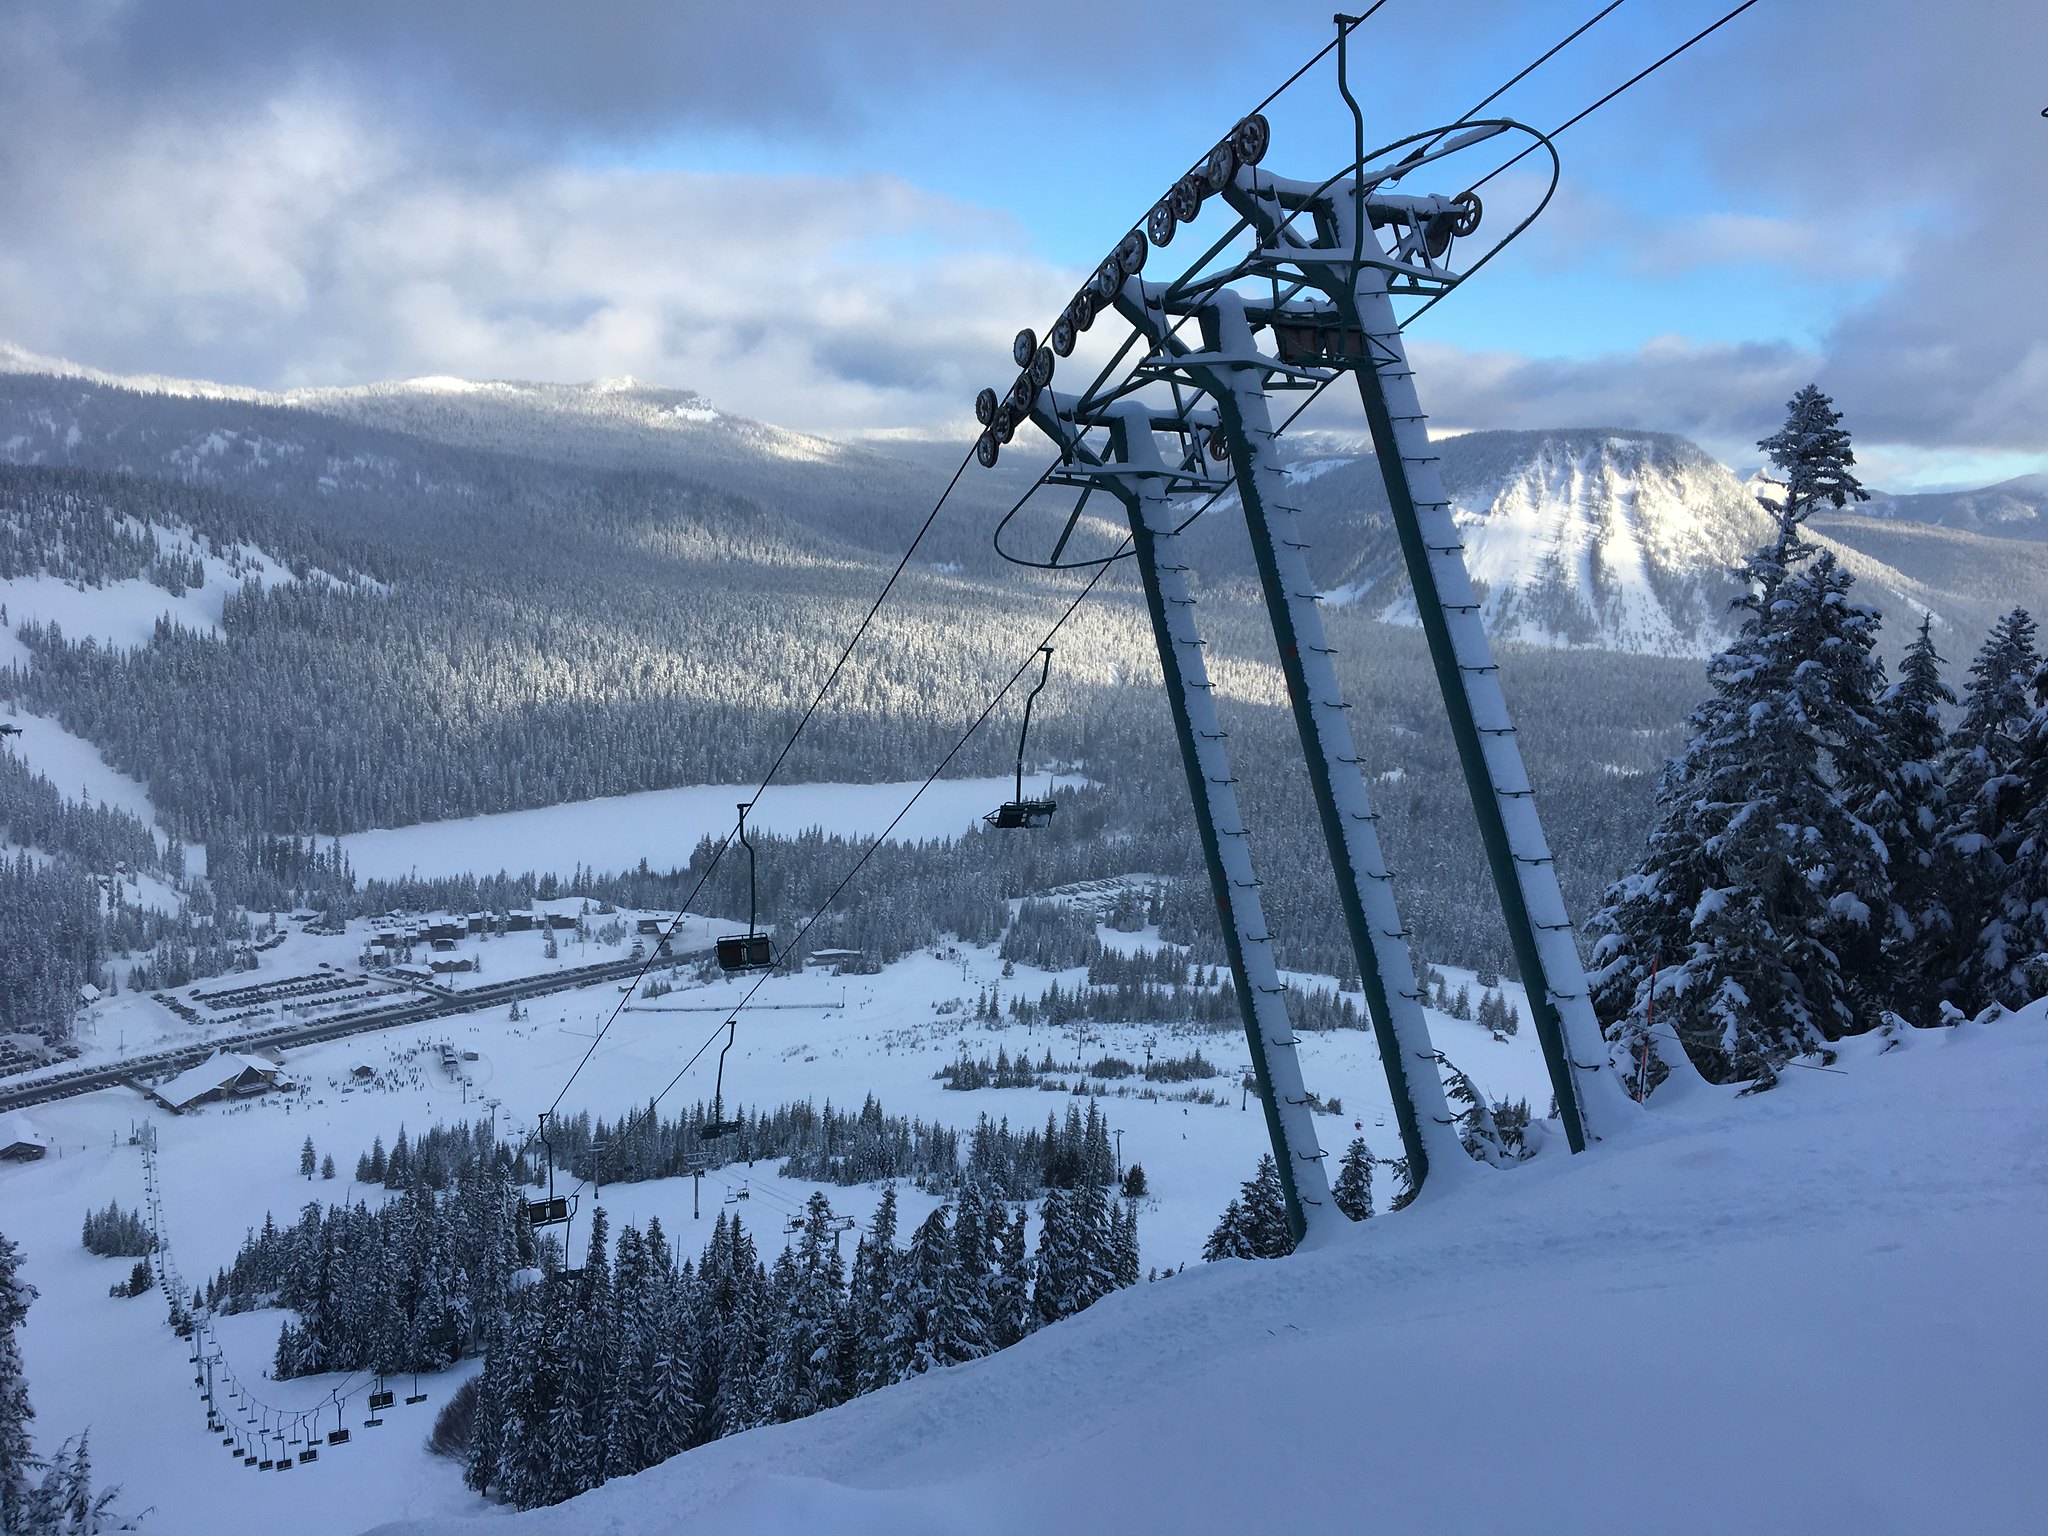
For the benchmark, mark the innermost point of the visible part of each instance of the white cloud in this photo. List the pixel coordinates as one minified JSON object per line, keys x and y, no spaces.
{"x":309,"y":246}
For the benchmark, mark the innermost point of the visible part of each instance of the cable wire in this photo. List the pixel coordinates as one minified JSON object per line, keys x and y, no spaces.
{"x":860,"y":630}
{"x":883,"y":836}
{"x":1634,"y":79}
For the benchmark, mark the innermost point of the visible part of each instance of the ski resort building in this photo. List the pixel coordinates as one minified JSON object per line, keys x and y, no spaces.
{"x":227,"y":1075}
{"x":21,"y":1142}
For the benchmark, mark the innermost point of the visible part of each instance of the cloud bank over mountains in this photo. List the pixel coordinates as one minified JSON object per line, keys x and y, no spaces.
{"x":292,"y":195}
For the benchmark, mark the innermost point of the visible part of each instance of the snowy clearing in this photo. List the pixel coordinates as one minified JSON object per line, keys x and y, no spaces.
{"x":663,"y":826}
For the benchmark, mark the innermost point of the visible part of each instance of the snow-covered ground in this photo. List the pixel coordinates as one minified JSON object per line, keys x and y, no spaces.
{"x":1738,"y":1274}
{"x":664,"y":826}
{"x":113,"y":1364}
{"x":79,"y":771}
{"x":1813,"y":1311}
{"x":75,"y":766}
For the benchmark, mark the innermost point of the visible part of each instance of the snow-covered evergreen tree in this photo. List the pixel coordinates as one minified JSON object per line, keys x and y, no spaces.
{"x":2010,"y":963}
{"x":1812,"y":452}
{"x":1353,"y":1189}
{"x":1764,"y":904}
{"x":1254,"y":1225}
{"x":17,"y":1459}
{"x":1981,"y":778}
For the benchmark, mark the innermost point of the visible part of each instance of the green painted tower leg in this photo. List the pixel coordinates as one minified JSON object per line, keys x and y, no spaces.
{"x":1269,"y":1034}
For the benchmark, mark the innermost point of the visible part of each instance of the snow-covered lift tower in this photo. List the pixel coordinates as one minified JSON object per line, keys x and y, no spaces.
{"x":1306,"y":299}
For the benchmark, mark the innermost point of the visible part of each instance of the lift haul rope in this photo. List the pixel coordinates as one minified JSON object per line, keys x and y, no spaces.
{"x":1348,"y":25}
{"x":832,"y":677}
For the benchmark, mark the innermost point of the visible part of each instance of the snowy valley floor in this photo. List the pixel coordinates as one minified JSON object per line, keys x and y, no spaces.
{"x":1815,"y":1310}
{"x":1812,"y":1311}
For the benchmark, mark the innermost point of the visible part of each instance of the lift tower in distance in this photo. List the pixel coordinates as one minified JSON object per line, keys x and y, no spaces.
{"x":1298,"y":292}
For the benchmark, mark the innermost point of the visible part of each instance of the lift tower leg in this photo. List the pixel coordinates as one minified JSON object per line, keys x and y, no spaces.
{"x":1225,"y":842}
{"x":1539,"y":928}
{"x":1364,"y":884}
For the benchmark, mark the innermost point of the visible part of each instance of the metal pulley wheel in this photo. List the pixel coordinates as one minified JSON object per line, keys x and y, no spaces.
{"x":985,"y":449}
{"x":1062,"y":337}
{"x":1185,"y":199}
{"x":1160,"y":222}
{"x":1082,"y":310}
{"x":1469,"y":209}
{"x":1004,"y":427}
{"x":1219,"y":450}
{"x":1022,"y":393}
{"x":1221,"y":166}
{"x":985,"y":407}
{"x":1130,"y":253}
{"x":1041,"y":367}
{"x":1250,"y":138}
{"x":1107,"y":282}
{"x":1022,"y":348}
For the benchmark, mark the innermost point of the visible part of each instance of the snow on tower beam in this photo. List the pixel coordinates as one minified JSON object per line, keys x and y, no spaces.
{"x":1133,"y":471}
{"x":1230,"y":369}
{"x":1343,"y":259}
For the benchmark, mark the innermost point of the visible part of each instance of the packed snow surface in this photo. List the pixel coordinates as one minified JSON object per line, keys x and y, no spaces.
{"x":1811,"y":1311}
{"x":663,"y":826}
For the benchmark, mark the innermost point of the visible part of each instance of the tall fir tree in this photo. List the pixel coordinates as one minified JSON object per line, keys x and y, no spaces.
{"x":2009,"y":966}
{"x":1912,"y":820}
{"x":1981,"y":776}
{"x":17,"y":1458}
{"x":1764,"y":904}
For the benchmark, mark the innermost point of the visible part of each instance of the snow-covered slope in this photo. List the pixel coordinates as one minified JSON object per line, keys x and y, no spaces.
{"x":1627,"y":541}
{"x":1814,"y":1311}
{"x":2012,"y":509}
{"x":1621,"y":540}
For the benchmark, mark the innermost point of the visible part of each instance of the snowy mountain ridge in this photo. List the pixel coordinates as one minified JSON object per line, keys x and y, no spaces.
{"x":611,"y":421}
{"x":1587,"y":538}
{"x":1576,"y":538}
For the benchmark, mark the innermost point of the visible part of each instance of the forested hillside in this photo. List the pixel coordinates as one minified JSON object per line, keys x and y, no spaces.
{"x":414,"y":626}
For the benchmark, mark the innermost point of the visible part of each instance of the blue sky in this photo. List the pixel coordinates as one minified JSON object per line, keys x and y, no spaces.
{"x":833,"y":217}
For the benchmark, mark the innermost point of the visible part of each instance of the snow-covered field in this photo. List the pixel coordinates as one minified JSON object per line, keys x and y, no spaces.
{"x":114,"y":1365}
{"x":1814,"y":1311}
{"x":663,"y":826}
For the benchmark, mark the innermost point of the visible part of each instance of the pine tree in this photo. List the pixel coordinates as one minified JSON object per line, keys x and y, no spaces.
{"x":911,"y":1343}
{"x":1353,"y":1189}
{"x":1980,"y":780}
{"x":1764,"y":902}
{"x":17,"y":1459}
{"x":1010,"y":1292}
{"x":1231,"y":1237}
{"x":307,"y":1160}
{"x":874,"y":1263}
{"x":1912,"y":821}
{"x":1056,"y":1266}
{"x":1812,"y":452}
{"x":1254,"y":1225}
{"x":2010,"y":964}
{"x":966,"y":1329}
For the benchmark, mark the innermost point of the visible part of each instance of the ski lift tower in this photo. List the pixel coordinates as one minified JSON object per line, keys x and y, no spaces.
{"x":1296,"y":293}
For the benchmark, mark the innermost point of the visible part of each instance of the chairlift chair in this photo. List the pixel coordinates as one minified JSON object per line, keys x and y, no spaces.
{"x":1020,"y":812}
{"x":717,"y":1128}
{"x":749,"y":951}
